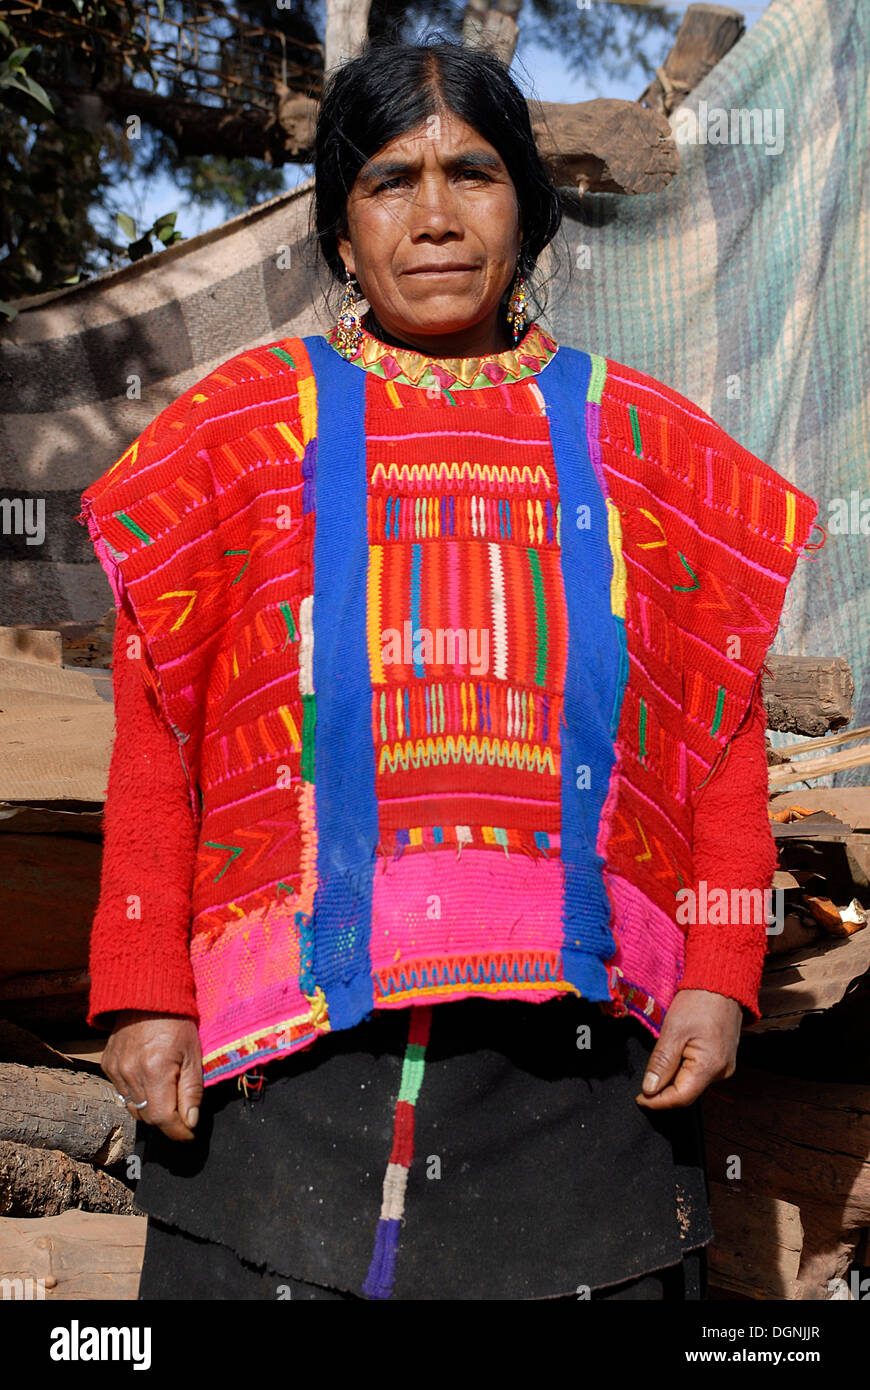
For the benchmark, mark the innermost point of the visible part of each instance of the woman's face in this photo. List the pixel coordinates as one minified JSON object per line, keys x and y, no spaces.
{"x":434,"y":236}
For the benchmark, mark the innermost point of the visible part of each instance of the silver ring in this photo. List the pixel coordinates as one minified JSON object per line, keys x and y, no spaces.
{"x":128,"y":1100}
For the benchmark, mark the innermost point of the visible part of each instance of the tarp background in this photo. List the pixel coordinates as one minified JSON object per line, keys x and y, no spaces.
{"x":744,"y":285}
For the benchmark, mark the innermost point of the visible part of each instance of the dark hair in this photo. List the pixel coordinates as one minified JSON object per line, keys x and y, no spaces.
{"x":392,"y":87}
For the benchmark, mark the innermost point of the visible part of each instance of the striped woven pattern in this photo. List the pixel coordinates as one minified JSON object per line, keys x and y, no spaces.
{"x":379,"y":1282}
{"x":388,"y":818}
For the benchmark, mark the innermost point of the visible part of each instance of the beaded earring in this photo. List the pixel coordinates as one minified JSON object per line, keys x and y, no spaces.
{"x":516,"y":313}
{"x":349,"y":326}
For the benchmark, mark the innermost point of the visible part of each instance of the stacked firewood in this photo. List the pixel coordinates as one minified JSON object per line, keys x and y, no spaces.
{"x":66,"y":1157}
{"x":788,"y":1136}
{"x":68,"y":1224}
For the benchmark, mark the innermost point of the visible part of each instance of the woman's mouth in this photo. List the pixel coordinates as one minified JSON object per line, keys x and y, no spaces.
{"x":440,"y":270}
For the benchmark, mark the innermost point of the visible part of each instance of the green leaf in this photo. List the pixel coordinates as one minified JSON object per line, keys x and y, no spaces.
{"x":17,"y":58}
{"x":5,"y":30}
{"x":8,"y":310}
{"x":127,"y":225}
{"x":12,"y":79}
{"x":38,"y":93}
{"x":19,"y":79}
{"x":160,"y":8}
{"x":167,"y":220}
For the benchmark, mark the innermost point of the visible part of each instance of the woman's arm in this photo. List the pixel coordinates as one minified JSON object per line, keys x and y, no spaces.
{"x":141,"y":977}
{"x":734,"y":848}
{"x":139,"y":957}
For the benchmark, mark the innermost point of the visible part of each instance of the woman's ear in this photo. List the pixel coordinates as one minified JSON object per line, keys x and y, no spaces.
{"x":345,"y":250}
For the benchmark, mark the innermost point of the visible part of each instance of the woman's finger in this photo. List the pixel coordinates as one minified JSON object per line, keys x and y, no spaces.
{"x":190,"y":1087}
{"x":160,"y":1089}
{"x":692,"y":1078}
{"x":123,"y":1083}
{"x":664,"y":1060}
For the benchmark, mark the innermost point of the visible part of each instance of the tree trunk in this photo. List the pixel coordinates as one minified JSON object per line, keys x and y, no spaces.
{"x":72,"y":1111}
{"x":493,"y":28}
{"x":45,"y":1182}
{"x":347,"y":24}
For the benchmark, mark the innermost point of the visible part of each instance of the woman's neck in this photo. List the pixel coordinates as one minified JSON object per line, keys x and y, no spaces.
{"x":450,"y":345}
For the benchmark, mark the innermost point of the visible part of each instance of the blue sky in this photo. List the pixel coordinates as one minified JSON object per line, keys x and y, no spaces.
{"x":536,"y":68}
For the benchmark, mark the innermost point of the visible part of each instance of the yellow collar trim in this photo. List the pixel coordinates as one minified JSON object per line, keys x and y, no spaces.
{"x":531,"y":354}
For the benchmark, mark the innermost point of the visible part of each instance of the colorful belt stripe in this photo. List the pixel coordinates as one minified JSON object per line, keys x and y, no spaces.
{"x":382,"y":1270}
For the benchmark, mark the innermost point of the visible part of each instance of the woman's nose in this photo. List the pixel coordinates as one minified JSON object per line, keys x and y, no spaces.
{"x":433,"y":210}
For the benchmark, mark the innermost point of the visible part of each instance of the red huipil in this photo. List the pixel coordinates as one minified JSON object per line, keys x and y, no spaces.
{"x":139,"y":956}
{"x":553,"y":1176}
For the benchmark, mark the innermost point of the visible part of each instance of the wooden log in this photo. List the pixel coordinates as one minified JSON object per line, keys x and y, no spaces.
{"x":45,"y":1182}
{"x":756,"y":1251}
{"x":796,"y":1139}
{"x":803,"y":1148}
{"x":810,"y":980}
{"x":794,"y":770}
{"x":706,"y":34}
{"x":827,"y":1251}
{"x":808,"y":694}
{"x":769,"y":1248}
{"x":67,"y":1110}
{"x":605,"y":145}
{"x":78,"y":1255}
{"x":602,"y":146}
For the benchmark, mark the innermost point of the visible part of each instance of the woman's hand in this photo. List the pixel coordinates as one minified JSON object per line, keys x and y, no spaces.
{"x":697,"y":1045}
{"x":157,"y":1057}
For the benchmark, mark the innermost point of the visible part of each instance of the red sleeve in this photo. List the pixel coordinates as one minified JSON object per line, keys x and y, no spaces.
{"x":139,"y":956}
{"x":734,"y":848}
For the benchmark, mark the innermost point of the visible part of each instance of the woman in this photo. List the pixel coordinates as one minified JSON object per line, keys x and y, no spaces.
{"x":461,"y":742}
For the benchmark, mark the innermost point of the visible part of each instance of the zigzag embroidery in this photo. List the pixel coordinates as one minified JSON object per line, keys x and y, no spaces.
{"x":454,"y":750}
{"x":502,"y":473}
{"x":474,"y":969}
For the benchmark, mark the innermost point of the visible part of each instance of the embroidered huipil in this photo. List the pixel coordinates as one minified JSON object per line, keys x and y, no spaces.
{"x":448,"y":649}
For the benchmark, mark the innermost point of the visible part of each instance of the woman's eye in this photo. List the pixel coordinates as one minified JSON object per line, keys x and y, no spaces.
{"x":392,"y":183}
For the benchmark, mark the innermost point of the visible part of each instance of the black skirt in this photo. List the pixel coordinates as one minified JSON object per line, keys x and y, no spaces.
{"x":535,"y":1174}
